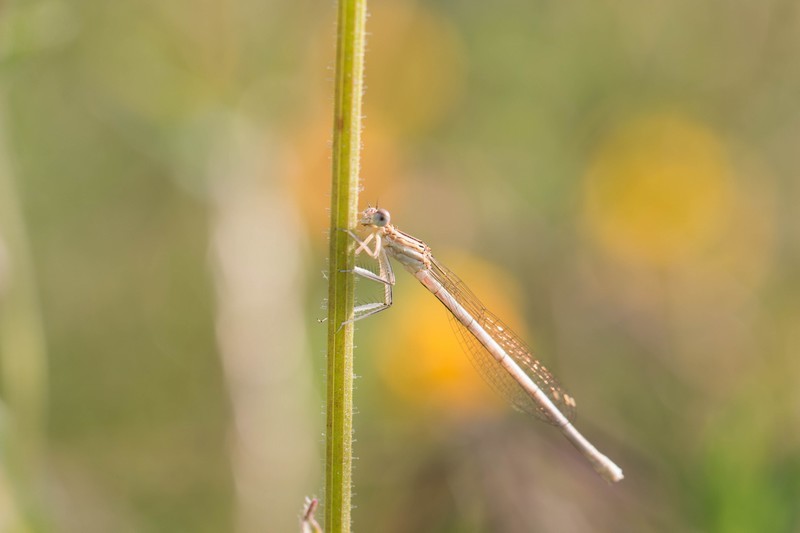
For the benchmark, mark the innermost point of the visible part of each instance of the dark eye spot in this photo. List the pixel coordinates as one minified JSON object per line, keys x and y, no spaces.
{"x":381,"y":217}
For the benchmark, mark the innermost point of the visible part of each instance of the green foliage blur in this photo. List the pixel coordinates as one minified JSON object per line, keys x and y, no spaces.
{"x":617,"y":180}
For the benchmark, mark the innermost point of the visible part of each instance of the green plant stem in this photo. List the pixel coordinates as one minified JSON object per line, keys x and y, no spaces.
{"x":344,"y":209}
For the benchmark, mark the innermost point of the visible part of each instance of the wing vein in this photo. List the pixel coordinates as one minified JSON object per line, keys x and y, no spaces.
{"x":488,"y":367}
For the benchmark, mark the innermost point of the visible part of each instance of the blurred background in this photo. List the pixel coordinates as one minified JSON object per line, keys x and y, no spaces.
{"x":617,"y":180}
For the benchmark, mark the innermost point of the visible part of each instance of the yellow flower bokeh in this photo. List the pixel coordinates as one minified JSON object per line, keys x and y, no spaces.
{"x":658,"y":190}
{"x":415,"y":69}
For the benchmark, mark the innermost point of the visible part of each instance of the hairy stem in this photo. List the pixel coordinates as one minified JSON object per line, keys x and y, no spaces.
{"x":344,"y":209}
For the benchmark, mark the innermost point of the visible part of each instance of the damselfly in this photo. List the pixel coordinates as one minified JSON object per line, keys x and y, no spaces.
{"x":498,"y":353}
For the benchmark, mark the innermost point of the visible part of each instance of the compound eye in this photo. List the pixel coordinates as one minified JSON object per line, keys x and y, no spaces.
{"x":380,"y":218}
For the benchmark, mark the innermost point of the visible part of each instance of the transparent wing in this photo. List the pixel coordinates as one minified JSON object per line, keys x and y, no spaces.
{"x":488,"y":367}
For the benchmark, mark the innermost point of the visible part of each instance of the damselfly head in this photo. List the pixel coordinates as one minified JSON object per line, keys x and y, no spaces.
{"x":375,"y":217}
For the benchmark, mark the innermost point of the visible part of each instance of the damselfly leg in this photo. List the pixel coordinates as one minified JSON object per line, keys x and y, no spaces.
{"x":385,"y":275}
